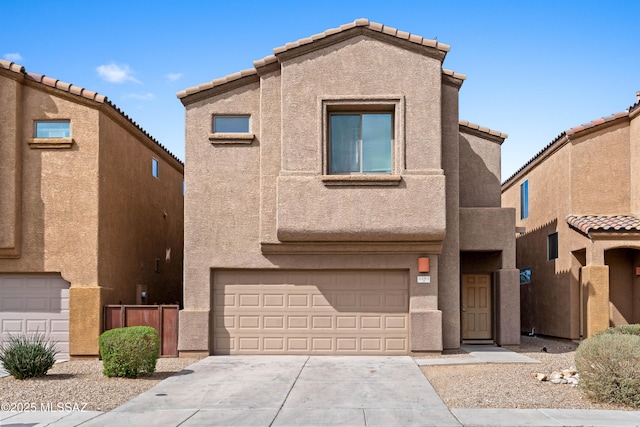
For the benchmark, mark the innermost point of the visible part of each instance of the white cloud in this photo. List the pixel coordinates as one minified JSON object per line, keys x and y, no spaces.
{"x":115,"y":73}
{"x":141,"y":96}
{"x":13,"y":57}
{"x":172,"y":77}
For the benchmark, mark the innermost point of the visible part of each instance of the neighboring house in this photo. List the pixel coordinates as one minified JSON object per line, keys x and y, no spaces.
{"x":578,"y":203}
{"x":335,"y":204}
{"x":91,"y":211}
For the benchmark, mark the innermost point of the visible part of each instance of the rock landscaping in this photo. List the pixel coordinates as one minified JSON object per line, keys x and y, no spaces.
{"x":566,"y":376}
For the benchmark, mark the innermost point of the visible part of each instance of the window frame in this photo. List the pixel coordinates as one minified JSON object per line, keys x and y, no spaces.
{"x":231,"y":116}
{"x":361,"y":160}
{"x":553,"y":246}
{"x":49,"y":142}
{"x":37,"y":122}
{"x":155,"y":168}
{"x":217,"y":137}
{"x":524,"y":199}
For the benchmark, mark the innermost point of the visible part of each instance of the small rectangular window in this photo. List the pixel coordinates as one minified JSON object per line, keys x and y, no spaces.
{"x":53,"y":129}
{"x":155,"y":168}
{"x":524,"y":200}
{"x":525,"y":276}
{"x":230,"y":124}
{"x":360,"y":143}
{"x":552,"y":246}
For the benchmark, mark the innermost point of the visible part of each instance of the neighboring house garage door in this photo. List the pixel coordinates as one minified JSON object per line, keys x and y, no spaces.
{"x":30,"y":302}
{"x":311,"y":312}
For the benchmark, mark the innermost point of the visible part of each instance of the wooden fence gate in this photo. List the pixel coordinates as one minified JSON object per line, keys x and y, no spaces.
{"x":163,"y":318}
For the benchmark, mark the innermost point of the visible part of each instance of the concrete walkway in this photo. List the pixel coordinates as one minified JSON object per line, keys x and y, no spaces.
{"x":318,"y":391}
{"x":478,"y":354}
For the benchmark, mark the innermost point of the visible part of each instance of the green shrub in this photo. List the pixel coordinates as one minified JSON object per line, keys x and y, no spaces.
{"x":129,"y":352}
{"x":609,"y":367}
{"x":633,"y":329}
{"x":28,"y":355}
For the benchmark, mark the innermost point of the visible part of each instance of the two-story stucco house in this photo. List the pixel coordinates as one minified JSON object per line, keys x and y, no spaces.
{"x":91,"y":211}
{"x":578,"y":203}
{"x":336,"y":204}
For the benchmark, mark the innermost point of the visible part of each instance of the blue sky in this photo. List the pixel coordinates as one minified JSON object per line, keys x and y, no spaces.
{"x":534,"y":68}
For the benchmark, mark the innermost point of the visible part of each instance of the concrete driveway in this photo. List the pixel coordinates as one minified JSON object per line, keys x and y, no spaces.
{"x":288,"y":391}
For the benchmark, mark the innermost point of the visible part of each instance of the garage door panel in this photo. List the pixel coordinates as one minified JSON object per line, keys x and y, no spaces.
{"x":313,"y":312}
{"x":35,"y":302}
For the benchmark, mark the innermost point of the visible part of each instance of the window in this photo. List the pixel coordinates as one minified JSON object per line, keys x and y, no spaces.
{"x":230,"y":124}
{"x":524,"y":200}
{"x":360,"y":143}
{"x":525,"y":276}
{"x":552,"y":246}
{"x":155,"y":167}
{"x":53,"y":129}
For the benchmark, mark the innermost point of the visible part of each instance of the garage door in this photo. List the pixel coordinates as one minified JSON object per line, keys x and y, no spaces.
{"x":310,"y":312}
{"x":30,"y":303}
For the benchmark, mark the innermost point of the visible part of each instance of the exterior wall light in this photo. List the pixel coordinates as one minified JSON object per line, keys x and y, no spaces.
{"x":423,"y":264}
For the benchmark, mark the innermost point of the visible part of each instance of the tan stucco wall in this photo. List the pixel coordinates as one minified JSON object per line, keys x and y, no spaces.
{"x":479,"y":171}
{"x":600,"y":172}
{"x":587,"y":174}
{"x":59,"y":193}
{"x":62,"y":208}
{"x":267,"y":204}
{"x":10,"y":166}
{"x":131,"y":199}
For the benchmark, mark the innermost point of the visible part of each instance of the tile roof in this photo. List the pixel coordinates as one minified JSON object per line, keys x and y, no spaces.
{"x":483,"y":129}
{"x":568,"y":133}
{"x":604,"y":223}
{"x":362,"y":22}
{"x":79,"y":91}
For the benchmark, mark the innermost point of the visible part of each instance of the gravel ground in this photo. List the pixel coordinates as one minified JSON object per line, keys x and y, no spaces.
{"x":80,"y":382}
{"x":460,"y":386}
{"x":511,"y":385}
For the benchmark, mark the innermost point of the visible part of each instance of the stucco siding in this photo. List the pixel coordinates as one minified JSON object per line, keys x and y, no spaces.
{"x":58,"y":219}
{"x":338,"y":71}
{"x":132,"y":199}
{"x":479,"y":171}
{"x":600,"y":172}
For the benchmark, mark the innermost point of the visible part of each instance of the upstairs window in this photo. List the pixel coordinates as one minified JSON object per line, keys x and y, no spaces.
{"x":524,"y":200}
{"x":52,"y":129}
{"x":230,"y":124}
{"x":525,"y":276}
{"x":155,"y":168}
{"x":360,"y":143}
{"x":552,"y":246}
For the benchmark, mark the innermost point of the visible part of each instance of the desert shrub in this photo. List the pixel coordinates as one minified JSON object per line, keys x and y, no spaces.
{"x":609,"y":367}
{"x":129,"y":352}
{"x":633,"y":329}
{"x":28,"y":355}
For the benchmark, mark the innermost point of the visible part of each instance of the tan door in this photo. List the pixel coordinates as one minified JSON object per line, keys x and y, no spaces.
{"x":310,"y":312}
{"x":476,"y":307}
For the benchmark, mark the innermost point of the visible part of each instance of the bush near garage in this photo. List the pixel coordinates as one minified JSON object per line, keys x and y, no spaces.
{"x":28,"y":355}
{"x":609,"y":366}
{"x":129,"y":352}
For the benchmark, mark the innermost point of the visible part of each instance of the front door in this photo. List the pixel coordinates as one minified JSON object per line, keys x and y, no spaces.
{"x":476,"y":307}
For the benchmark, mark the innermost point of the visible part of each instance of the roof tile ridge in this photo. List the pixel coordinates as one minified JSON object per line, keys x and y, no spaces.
{"x":597,"y":122}
{"x":12,"y":66}
{"x":482,"y":129}
{"x":220,"y":81}
{"x":454,"y":74}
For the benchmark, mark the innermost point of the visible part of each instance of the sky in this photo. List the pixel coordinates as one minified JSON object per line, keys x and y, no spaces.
{"x":534,"y":68}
